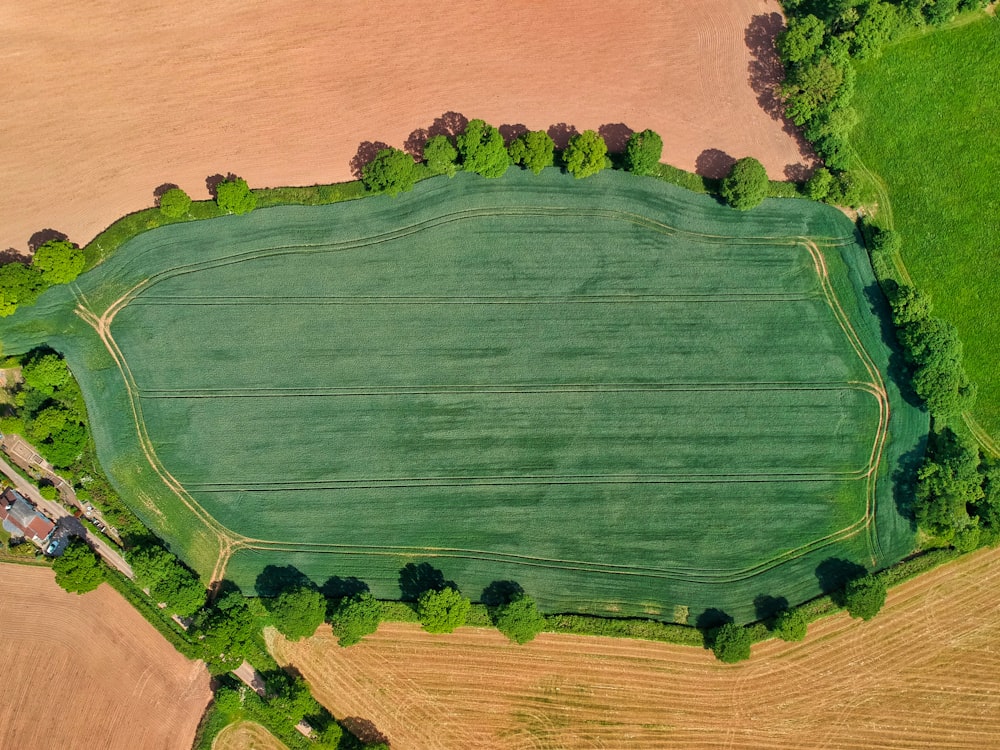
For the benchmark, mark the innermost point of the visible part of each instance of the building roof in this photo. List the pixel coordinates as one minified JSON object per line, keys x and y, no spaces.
{"x":17,"y":512}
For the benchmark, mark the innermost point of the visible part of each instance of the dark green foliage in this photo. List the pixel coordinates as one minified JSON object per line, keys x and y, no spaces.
{"x":45,"y":372}
{"x":289,"y":696}
{"x":175,"y":203}
{"x":391,"y":171}
{"x":818,"y":186}
{"x":887,"y":243}
{"x":879,"y":23}
{"x":60,"y":261}
{"x":987,"y":509}
{"x":731,"y":643}
{"x":228,"y":630}
{"x":233,"y":196}
{"x":643,"y":152}
{"x":440,"y":155}
{"x":19,"y":285}
{"x":801,"y":39}
{"x":519,"y":618}
{"x":864,"y":597}
{"x":948,"y":485}
{"x":533,"y":150}
{"x":747,"y":184}
{"x":812,"y":88}
{"x":297,"y":612}
{"x":167,"y":579}
{"x":354,"y":617}
{"x":650,"y":630}
{"x":791,"y":625}
{"x":482,"y":150}
{"x":78,"y":570}
{"x":442,"y":611}
{"x":585,"y":154}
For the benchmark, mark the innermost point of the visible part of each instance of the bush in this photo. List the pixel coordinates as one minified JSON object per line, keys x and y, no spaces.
{"x":747,"y":184}
{"x":732,"y":643}
{"x":60,"y":261}
{"x":442,"y":611}
{"x":519,"y":619}
{"x":791,"y":625}
{"x":354,"y":617}
{"x":864,"y":597}
{"x":643,"y":152}
{"x":233,"y":196}
{"x":818,"y":186}
{"x":391,"y":171}
{"x":585,"y":154}
{"x":175,"y":203}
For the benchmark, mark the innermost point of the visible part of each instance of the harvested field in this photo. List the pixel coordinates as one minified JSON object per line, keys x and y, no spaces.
{"x":282,"y":93}
{"x":247,"y":735}
{"x":89,"y":672}
{"x":923,"y":674}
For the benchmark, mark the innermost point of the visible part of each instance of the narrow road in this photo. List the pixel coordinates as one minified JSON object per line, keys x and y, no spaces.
{"x":55,"y":511}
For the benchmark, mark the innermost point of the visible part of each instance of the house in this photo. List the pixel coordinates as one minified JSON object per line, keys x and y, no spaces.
{"x":21,"y":518}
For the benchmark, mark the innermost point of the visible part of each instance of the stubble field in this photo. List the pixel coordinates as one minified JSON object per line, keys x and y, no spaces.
{"x":87,"y":671}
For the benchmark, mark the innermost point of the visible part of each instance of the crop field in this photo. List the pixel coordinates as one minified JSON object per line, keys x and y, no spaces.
{"x":929,"y":109}
{"x":920,"y":675}
{"x":626,"y":397}
{"x":246,"y":735}
{"x":88,"y":671}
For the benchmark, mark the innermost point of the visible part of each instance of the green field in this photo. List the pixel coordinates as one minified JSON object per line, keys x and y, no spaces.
{"x":929,"y":113}
{"x":622,"y":395}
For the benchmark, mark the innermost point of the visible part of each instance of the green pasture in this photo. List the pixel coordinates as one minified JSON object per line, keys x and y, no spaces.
{"x":929,"y":111}
{"x":624,"y":396}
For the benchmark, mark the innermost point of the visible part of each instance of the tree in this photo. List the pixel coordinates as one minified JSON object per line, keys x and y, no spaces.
{"x":801,"y":40}
{"x":19,"y":285}
{"x":60,"y":261}
{"x":175,"y":203}
{"x":585,"y":154}
{"x":818,"y":186}
{"x":77,"y":569}
{"x":440,"y":155}
{"x":354,"y":617}
{"x":791,"y":625}
{"x":533,"y":150}
{"x":482,"y":150}
{"x":45,"y":373}
{"x":811,"y":88}
{"x":298,"y":612}
{"x":290,"y":696}
{"x":732,"y":643}
{"x":949,"y":482}
{"x":442,"y":611}
{"x":227,"y":631}
{"x":864,"y":597}
{"x":234,"y":196}
{"x":519,"y":618}
{"x":879,"y":23}
{"x":747,"y":184}
{"x":391,"y":171}
{"x":643,"y":152}
{"x":167,"y":579}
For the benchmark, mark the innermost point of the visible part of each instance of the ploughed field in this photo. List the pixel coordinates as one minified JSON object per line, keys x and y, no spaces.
{"x":621,"y":395}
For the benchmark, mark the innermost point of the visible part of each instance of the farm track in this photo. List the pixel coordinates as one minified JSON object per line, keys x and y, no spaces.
{"x":920,"y":675}
{"x":229,"y":542}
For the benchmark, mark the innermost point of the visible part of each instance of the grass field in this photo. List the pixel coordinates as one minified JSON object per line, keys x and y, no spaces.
{"x":622,"y":395}
{"x":929,"y":111}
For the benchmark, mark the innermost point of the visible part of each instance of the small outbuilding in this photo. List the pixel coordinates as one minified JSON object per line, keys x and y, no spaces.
{"x":21,"y":518}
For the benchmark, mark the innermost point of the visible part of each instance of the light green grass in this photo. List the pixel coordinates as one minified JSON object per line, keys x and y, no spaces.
{"x":620,"y":394}
{"x":929,"y":113}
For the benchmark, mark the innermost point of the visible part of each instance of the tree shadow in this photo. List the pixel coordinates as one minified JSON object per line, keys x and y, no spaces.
{"x":560,"y":133}
{"x":367,"y":151}
{"x":13,"y":255}
{"x":898,"y":369}
{"x":277,"y":578}
{"x":223,"y":588}
{"x":714,"y":164}
{"x":709,"y":622}
{"x":364,"y":729}
{"x":797,"y":172}
{"x":416,"y":578}
{"x":415,"y":142}
{"x":449,"y":124}
{"x":767,"y":607}
{"x":904,"y":481}
{"x":615,"y":135}
{"x":161,"y":190}
{"x":500,"y":592}
{"x":42,"y":236}
{"x":511,"y":133}
{"x":213,"y":181}
{"x":834,"y":573}
{"x":336,"y":588}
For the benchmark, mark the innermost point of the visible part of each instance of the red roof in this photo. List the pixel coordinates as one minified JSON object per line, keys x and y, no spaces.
{"x":18,"y":513}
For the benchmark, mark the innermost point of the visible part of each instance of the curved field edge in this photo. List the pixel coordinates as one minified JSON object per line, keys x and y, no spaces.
{"x":205,"y":544}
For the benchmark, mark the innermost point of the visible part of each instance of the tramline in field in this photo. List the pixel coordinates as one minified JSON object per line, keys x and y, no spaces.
{"x":625,"y":397}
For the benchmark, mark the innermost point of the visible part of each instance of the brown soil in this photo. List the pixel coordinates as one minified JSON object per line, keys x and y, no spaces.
{"x":88,"y":671}
{"x":106,"y":101}
{"x":923,"y":674}
{"x":246,"y":735}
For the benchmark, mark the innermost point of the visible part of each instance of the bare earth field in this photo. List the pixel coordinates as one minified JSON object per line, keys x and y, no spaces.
{"x":88,"y":672}
{"x":923,"y":674}
{"x":105,"y":100}
{"x":246,"y":735}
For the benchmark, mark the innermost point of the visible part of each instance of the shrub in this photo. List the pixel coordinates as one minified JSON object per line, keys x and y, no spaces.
{"x":391,"y":171}
{"x":442,"y":611}
{"x":519,"y":619}
{"x":864,"y":597}
{"x":747,"y":184}
{"x":791,"y":625}
{"x":175,"y":203}
{"x":643,"y":152}
{"x":818,"y":186}
{"x":732,"y":643}
{"x":233,"y":196}
{"x":60,"y":261}
{"x":354,"y":617}
{"x":585,"y":154}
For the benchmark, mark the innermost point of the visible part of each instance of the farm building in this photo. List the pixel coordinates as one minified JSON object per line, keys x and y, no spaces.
{"x":21,"y":518}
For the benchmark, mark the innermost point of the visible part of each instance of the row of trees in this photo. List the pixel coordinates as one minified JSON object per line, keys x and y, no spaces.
{"x":57,"y":261}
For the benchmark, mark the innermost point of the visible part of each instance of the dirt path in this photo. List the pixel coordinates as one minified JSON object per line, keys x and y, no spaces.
{"x":923,"y":674}
{"x":107,"y":101}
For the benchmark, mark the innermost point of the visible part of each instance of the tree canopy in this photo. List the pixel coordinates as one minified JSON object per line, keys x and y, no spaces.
{"x":175,"y":203}
{"x":533,"y":150}
{"x":440,"y":155}
{"x":801,"y":39}
{"x":585,"y":154}
{"x":949,"y":482}
{"x":482,"y":150}
{"x":297,"y":612}
{"x":227,"y":631}
{"x":60,"y":261}
{"x":519,"y":618}
{"x":45,"y":373}
{"x":791,"y":625}
{"x":732,"y":643}
{"x":391,"y":171}
{"x":78,"y":570}
{"x":643,"y":152}
{"x":167,"y":579}
{"x":747,"y":184}
{"x":354,"y":617}
{"x":234,"y":196}
{"x":19,"y":285}
{"x":864,"y":597}
{"x":442,"y":611}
